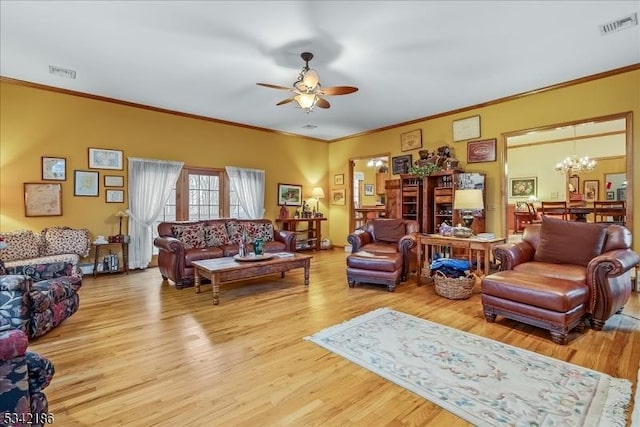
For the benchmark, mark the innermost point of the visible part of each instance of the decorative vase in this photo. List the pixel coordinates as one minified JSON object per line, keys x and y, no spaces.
{"x":258,"y":247}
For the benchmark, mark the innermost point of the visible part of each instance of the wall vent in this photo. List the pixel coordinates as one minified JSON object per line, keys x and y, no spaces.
{"x":62,"y":72}
{"x":619,"y":24}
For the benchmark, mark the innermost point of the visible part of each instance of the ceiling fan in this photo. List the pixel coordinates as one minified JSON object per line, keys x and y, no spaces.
{"x":307,"y":90}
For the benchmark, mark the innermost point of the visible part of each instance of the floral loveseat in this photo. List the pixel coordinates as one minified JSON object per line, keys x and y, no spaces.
{"x":40,"y":278}
{"x":23,"y":376}
{"x":180,"y":243}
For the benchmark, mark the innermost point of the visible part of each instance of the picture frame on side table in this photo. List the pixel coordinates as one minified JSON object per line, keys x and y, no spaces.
{"x":85,"y":183}
{"x":523,"y":187}
{"x":338,"y":179}
{"x":401,"y":164}
{"x":42,"y":199}
{"x":114,"y":196}
{"x":289,"y":194}
{"x":481,"y":151}
{"x":465,"y":129}
{"x":591,"y":189}
{"x":338,"y":196}
{"x":100,"y":158}
{"x":411,"y":140}
{"x":54,"y":168}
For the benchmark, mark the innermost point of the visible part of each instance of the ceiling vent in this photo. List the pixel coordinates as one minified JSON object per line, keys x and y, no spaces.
{"x":619,"y":24}
{"x":309,"y":127}
{"x":62,"y":72}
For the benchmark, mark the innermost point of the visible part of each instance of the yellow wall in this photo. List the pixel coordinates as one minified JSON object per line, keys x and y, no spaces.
{"x":36,"y":122}
{"x":610,"y":95}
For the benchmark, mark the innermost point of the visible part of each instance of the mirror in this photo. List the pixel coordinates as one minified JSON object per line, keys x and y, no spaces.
{"x":532,"y":156}
{"x":368,"y":176}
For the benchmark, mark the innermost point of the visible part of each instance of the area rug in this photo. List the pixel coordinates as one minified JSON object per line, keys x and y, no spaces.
{"x":485,"y":382}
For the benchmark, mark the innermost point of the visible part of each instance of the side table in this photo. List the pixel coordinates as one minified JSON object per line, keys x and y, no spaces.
{"x":125,"y":257}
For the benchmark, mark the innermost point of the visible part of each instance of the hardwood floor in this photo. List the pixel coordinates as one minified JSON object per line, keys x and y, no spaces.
{"x":141,"y":353}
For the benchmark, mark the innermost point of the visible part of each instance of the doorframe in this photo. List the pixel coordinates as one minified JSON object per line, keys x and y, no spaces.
{"x":350,"y":174}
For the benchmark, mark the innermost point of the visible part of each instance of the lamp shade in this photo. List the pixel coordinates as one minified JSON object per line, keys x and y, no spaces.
{"x":317,"y":193}
{"x":121,"y":214}
{"x":468,"y":199}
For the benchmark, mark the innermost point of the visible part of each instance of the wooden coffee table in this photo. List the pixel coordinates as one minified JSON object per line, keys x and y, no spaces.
{"x":228,"y":269}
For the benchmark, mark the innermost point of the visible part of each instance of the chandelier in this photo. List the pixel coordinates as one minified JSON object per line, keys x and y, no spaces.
{"x":574,"y":165}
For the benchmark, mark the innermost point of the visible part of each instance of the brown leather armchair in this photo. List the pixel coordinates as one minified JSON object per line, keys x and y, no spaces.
{"x":566,"y":253}
{"x":389,"y":236}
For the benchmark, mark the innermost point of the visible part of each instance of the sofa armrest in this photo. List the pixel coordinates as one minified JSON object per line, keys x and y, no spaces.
{"x":358,"y":240}
{"x":169,"y":244}
{"x":286,"y":237}
{"x":15,"y":300}
{"x":614,"y":263}
{"x":45,"y":270}
{"x":15,"y":283}
{"x":13,"y":343}
{"x":408,"y":242}
{"x":511,"y":254}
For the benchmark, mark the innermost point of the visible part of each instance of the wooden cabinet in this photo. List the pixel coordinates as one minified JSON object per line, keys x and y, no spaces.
{"x":392,"y":198}
{"x":308,"y":231}
{"x":411,"y":197}
{"x":381,"y":178}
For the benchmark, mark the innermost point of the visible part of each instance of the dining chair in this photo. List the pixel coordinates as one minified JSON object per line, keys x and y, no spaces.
{"x":610,"y":211}
{"x":556,"y":209}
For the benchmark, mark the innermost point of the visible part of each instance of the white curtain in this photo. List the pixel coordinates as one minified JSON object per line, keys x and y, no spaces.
{"x":249,"y":186}
{"x":150,"y":185}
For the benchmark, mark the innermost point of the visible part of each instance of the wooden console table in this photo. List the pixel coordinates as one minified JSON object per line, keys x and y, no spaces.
{"x":125,"y":257}
{"x":306,"y":238}
{"x":431,"y":241}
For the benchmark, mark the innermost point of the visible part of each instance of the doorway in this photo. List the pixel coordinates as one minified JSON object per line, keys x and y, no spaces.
{"x":367,"y":176}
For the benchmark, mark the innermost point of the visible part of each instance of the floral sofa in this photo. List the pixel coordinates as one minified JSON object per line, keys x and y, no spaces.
{"x":23,"y":376}
{"x":180,"y":243}
{"x":40,"y":279}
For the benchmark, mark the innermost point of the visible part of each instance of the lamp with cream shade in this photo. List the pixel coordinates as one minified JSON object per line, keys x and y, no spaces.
{"x":317,"y":193}
{"x":466,"y":201}
{"x":120,"y":215}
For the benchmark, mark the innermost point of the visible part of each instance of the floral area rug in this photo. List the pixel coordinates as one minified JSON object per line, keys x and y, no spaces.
{"x":485,"y":382}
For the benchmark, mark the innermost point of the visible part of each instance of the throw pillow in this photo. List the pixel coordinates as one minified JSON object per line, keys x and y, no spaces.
{"x":216,"y":234}
{"x":65,"y":240}
{"x":234,"y":231}
{"x":569,"y":242}
{"x":389,"y":230}
{"x":259,"y":230}
{"x":21,"y":244}
{"x":191,"y":235}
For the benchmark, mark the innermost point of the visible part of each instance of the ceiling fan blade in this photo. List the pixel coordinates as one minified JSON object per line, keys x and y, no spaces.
{"x":273,"y":86}
{"x":286,"y":101}
{"x":338,"y":90}
{"x":322,"y":103}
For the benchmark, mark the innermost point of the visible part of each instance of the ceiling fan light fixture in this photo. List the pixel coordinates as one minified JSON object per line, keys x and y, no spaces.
{"x":306,"y":101}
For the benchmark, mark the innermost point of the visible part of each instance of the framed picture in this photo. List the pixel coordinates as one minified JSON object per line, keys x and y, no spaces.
{"x":338,"y":179}
{"x":113,"y":181}
{"x":368,"y":190}
{"x":338,"y":196}
{"x":611,"y":195}
{"x":114,"y":196}
{"x":591,"y":189}
{"x":106,"y":159}
{"x":468,"y":128}
{"x":523,"y":187}
{"x":574,"y":184}
{"x":481,"y":151}
{"x":85,"y":183}
{"x":42,"y":199}
{"x":289,"y":194}
{"x":411,"y":140}
{"x":401,"y":164}
{"x":54,"y":168}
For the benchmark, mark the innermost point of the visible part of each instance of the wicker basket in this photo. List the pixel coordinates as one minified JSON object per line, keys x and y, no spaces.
{"x":454,"y":288}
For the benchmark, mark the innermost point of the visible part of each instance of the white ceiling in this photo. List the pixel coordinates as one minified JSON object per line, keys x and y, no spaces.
{"x":409,"y":59}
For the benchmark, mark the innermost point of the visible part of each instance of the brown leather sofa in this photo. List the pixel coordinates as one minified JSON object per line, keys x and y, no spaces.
{"x":561,"y":274}
{"x":388,"y":236}
{"x":180,"y":243}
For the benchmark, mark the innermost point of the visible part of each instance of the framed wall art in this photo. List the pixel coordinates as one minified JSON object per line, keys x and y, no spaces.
{"x":338,"y":196}
{"x":574,"y":184}
{"x":338,"y":179}
{"x":481,"y":151}
{"x":591,"y":189}
{"x":611,"y":195}
{"x":42,"y":199}
{"x":468,"y":128}
{"x":54,"y":168}
{"x":113,"y":181}
{"x":411,"y":140}
{"x":114,"y":196}
{"x":85,"y":183}
{"x":401,"y":164}
{"x":368,"y":190}
{"x":106,"y":159}
{"x":523,"y":187}
{"x":289,"y":194}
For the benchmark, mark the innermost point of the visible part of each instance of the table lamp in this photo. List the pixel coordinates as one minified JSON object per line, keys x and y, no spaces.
{"x":467,"y":201}
{"x":318,"y":193}
{"x":120,"y":215}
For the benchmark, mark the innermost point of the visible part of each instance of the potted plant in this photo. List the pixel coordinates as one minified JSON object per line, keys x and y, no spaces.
{"x":424,"y":170}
